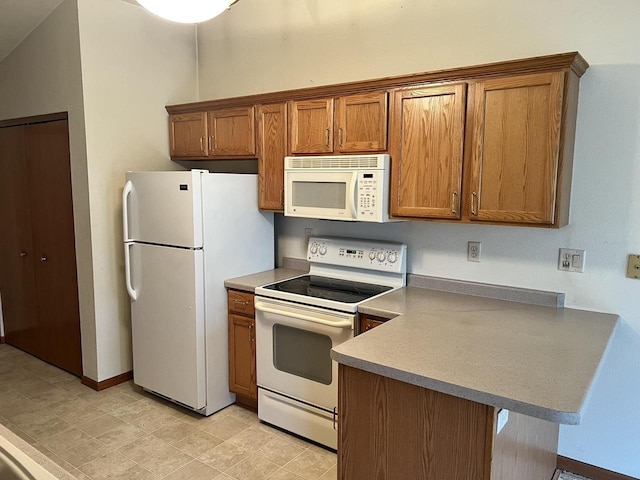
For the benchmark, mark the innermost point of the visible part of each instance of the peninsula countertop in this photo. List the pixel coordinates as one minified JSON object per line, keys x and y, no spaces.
{"x":535,"y":360}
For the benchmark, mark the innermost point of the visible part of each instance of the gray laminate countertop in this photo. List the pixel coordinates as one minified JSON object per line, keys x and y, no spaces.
{"x":248,"y":283}
{"x":535,"y":360}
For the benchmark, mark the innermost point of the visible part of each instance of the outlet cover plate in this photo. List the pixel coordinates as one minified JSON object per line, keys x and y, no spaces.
{"x":571,"y":260}
{"x":633,"y":266}
{"x":473,"y":251}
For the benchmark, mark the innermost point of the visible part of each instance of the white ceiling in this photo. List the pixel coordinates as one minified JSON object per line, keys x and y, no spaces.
{"x":18,"y":18}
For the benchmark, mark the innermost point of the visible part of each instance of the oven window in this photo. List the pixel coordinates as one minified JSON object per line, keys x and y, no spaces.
{"x":302,"y":353}
{"x":320,"y":194}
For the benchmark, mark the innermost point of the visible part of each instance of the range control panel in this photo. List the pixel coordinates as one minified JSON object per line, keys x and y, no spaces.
{"x":351,"y":252}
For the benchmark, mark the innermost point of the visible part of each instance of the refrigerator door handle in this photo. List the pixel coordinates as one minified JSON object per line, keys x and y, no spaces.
{"x":128,"y":188}
{"x":127,"y":272}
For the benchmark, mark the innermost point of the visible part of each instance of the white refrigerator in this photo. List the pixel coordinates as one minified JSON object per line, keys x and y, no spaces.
{"x":184,"y":234}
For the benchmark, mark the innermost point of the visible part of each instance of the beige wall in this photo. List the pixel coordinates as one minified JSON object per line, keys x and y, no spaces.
{"x":42,"y":75}
{"x":261,"y":46}
{"x":133,"y":64}
{"x":113,"y":67}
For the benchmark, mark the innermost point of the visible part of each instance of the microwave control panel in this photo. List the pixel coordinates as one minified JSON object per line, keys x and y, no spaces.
{"x":367,"y":196}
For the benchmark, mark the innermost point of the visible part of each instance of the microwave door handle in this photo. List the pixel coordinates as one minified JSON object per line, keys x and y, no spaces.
{"x":301,"y":316}
{"x":354,"y":194}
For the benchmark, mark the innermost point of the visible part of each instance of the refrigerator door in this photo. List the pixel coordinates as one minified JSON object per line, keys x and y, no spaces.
{"x":163,"y":208}
{"x":168,"y":327}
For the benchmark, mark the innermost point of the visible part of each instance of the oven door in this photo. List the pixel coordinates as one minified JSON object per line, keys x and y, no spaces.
{"x":321,"y":194}
{"x":293,"y":345}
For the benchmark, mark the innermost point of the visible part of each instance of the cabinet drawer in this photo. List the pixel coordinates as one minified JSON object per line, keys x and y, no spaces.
{"x":367,"y":322}
{"x":240,"y":302}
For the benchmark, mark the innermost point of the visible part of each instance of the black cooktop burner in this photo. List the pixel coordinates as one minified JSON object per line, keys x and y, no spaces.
{"x":345,"y":291}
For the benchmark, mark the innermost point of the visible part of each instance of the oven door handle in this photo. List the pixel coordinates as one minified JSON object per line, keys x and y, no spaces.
{"x":301,"y":316}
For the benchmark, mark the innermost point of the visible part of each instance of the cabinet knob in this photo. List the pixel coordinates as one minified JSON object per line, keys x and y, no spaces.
{"x":43,"y":258}
{"x":23,"y":253}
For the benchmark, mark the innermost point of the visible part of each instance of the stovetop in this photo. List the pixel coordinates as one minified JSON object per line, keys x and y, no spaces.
{"x":334,"y":289}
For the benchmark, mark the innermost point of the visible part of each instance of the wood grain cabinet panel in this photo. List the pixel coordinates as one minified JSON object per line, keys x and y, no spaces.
{"x":311,"y":126}
{"x":427,"y":135}
{"x":516,"y":147}
{"x":232,"y":132}
{"x":242,"y":344}
{"x":361,"y":123}
{"x":391,"y":430}
{"x":272,"y":148}
{"x":188,"y":135}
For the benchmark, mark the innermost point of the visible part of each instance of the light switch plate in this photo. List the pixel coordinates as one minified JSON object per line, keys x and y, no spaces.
{"x":633,"y":266}
{"x":571,"y":260}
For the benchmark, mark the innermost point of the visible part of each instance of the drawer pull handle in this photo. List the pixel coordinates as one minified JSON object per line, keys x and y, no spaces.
{"x":240,"y":302}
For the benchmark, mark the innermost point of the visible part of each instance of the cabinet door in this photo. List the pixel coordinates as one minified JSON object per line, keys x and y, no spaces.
{"x":188,"y":135}
{"x":272,"y":148}
{"x":17,"y":277}
{"x":232,"y":132}
{"x":311,"y":126}
{"x":362,"y":123}
{"x":516,"y":145}
{"x":242,"y":356}
{"x":426,"y":153}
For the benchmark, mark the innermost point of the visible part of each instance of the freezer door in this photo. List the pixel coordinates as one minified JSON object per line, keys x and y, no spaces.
{"x":167,"y":319}
{"x":163,"y":208}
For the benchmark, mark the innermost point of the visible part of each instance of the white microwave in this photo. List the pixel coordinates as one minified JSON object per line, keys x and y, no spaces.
{"x":349,"y":187}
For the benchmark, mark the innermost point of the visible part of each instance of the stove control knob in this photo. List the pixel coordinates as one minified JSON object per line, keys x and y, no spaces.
{"x":323,"y":249}
{"x":381,"y":256}
{"x":372,"y":255}
{"x":393,"y":257}
{"x":313,"y":249}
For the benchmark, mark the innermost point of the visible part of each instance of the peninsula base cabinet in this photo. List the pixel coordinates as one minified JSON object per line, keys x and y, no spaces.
{"x":389,"y":429}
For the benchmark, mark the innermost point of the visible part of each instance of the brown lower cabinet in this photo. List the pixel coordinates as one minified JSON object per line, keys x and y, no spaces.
{"x":391,"y":430}
{"x":242,"y":347}
{"x":367,"y":322}
{"x":38,"y":278}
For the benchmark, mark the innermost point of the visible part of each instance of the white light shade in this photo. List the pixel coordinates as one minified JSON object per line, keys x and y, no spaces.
{"x":186,"y":11}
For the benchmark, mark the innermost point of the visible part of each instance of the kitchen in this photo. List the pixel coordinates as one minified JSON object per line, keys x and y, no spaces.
{"x":109,"y":97}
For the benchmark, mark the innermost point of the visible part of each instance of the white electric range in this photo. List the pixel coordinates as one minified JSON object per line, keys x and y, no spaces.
{"x":299,"y":321}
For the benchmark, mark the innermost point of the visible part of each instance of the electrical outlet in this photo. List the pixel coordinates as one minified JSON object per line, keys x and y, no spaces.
{"x":571,"y":260}
{"x":633,"y":266}
{"x":308,"y":233}
{"x":473,"y":251}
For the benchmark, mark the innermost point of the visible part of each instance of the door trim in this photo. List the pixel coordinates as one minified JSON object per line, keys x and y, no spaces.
{"x":49,"y":117}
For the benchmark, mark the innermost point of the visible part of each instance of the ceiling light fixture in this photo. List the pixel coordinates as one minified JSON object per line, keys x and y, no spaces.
{"x":187,"y":11}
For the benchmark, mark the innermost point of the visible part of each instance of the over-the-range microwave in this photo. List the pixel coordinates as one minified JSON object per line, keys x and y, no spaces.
{"x":348,"y":187}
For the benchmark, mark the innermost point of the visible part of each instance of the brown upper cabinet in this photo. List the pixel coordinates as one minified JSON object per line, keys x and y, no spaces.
{"x":272,"y":148}
{"x":311,"y":126}
{"x":188,"y":135}
{"x":481,"y":144}
{"x":231,"y":132}
{"x":516,"y":148}
{"x":359,"y":124}
{"x":427,"y":136}
{"x":222,"y":133}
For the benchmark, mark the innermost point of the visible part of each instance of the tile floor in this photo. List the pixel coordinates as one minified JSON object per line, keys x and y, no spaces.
{"x":125,"y":433}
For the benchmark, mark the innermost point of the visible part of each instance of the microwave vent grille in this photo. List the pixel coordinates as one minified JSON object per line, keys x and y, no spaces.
{"x":334,"y":162}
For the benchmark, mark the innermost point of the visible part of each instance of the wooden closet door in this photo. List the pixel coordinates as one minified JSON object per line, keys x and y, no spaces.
{"x":47,"y":149}
{"x":17,"y":280}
